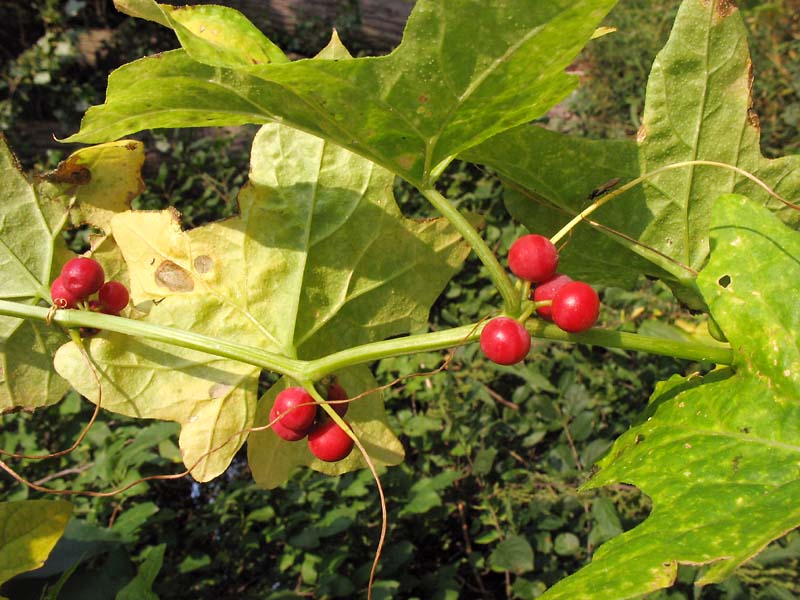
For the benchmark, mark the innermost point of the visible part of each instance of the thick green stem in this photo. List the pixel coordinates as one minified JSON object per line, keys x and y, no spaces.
{"x":450,"y":338}
{"x":498,"y":275}
{"x":314,"y":370}
{"x":72,"y":319}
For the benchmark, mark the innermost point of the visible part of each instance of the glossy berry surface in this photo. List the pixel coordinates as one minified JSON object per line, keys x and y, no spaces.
{"x":290,"y":435}
{"x":575,"y":307}
{"x":546,"y":290}
{"x":533,"y":258}
{"x":296,"y":409}
{"x":505,"y":341}
{"x":337,"y":392}
{"x":62,"y":297}
{"x":113,"y":296}
{"x":82,"y":276}
{"x":329,"y":442}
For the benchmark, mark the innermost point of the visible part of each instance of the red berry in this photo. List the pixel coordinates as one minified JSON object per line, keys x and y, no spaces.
{"x":62,"y":297}
{"x":505,"y":341}
{"x":546,"y":290}
{"x":575,"y":307}
{"x":295,"y":408}
{"x":83,"y":276}
{"x":337,"y":392}
{"x":113,"y":296}
{"x":329,"y":442}
{"x":290,"y":435}
{"x":533,"y":258}
{"x":97,"y":306}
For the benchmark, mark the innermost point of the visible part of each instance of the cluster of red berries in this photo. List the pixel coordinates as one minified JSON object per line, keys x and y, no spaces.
{"x":294,"y":415}
{"x":572,"y":305}
{"x":83,"y":277}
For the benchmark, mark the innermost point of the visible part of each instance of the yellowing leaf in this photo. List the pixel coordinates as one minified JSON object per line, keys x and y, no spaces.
{"x":28,"y":532}
{"x":103,"y":180}
{"x":319,"y":259}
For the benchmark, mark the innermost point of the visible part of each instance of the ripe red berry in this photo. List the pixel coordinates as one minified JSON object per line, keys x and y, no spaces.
{"x":337,"y":392}
{"x":113,"y":296}
{"x":533,"y":258}
{"x":505,"y":341}
{"x":575,"y":307}
{"x":62,"y":297}
{"x":82,"y":276}
{"x":290,"y":435}
{"x":295,"y":409}
{"x":546,"y":290}
{"x":329,"y":442}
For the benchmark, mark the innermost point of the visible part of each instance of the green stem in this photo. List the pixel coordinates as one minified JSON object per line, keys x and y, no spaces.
{"x":314,"y":370}
{"x":538,"y":328}
{"x":72,"y":319}
{"x":497,"y":273}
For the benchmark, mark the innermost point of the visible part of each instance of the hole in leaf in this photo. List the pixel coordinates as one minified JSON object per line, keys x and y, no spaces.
{"x":724,"y":281}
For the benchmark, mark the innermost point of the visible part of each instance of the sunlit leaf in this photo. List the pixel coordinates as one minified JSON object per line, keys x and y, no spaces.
{"x":439,"y":93}
{"x":213,"y":35}
{"x":101,"y":181}
{"x":319,"y":259}
{"x":718,"y":454}
{"x":28,"y":532}
{"x":29,"y":226}
{"x":698,"y":107}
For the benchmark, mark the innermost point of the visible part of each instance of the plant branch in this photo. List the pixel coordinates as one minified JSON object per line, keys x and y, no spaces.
{"x":498,"y":275}
{"x":72,"y":319}
{"x":314,"y":370}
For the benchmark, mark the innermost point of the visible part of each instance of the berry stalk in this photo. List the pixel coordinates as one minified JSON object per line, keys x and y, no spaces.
{"x":498,"y":275}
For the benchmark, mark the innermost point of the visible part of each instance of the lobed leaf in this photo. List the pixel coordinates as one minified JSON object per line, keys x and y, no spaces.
{"x":717,"y":454}
{"x":319,"y":259}
{"x":29,"y":228}
{"x":437,"y":94}
{"x":698,"y":107}
{"x":28,"y":532}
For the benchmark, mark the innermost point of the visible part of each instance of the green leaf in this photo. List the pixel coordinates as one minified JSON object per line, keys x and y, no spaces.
{"x":213,"y":35}
{"x":698,"y":107}
{"x":28,"y":532}
{"x":272,"y":459}
{"x":437,"y":94}
{"x":141,"y":586}
{"x":717,"y":454}
{"x":513,"y":554}
{"x":549,"y":177}
{"x":335,"y":50}
{"x":29,"y":227}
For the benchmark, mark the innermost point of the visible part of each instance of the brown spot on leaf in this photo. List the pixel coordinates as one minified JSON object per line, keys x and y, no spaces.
{"x":174,"y":277}
{"x":641,"y":134}
{"x":203,"y":264}
{"x":69,"y":172}
{"x":724,"y":8}
{"x":423,"y":98}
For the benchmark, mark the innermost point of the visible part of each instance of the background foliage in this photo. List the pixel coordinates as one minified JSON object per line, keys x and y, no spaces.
{"x":485,"y":504}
